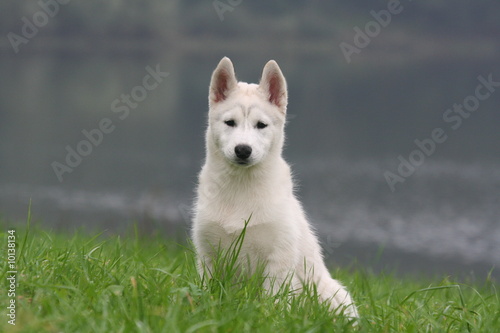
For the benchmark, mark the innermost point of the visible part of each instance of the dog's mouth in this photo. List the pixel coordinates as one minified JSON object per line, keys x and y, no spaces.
{"x":242,"y":162}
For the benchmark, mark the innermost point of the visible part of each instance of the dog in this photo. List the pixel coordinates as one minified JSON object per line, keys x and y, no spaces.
{"x":246,"y":184}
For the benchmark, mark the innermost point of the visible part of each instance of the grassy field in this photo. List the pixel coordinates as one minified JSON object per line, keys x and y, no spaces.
{"x":81,"y":283}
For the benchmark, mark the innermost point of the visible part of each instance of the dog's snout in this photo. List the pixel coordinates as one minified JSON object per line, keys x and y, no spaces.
{"x":243,"y":151}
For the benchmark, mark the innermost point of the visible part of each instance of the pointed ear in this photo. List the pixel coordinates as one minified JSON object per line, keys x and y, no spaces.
{"x":223,"y":81}
{"x":273,"y":84}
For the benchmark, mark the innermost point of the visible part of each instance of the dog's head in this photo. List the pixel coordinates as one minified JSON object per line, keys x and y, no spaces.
{"x":246,"y":120}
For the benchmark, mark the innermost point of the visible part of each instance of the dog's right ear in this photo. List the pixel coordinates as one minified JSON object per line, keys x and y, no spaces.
{"x":223,"y":81}
{"x":273,"y":84}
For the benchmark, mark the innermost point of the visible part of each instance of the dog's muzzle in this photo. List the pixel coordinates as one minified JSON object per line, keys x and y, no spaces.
{"x":242,"y":152}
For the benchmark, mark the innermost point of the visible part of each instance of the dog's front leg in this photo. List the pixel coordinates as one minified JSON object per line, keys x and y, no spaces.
{"x":205,"y":269}
{"x":279,"y":272}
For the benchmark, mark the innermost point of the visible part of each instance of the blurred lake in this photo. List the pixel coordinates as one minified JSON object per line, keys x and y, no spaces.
{"x":348,"y":124}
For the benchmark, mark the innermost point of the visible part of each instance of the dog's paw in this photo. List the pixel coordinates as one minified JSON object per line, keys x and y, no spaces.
{"x":343,"y":305}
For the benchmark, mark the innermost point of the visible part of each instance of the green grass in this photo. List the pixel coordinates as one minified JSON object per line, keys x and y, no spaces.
{"x":80,"y":283}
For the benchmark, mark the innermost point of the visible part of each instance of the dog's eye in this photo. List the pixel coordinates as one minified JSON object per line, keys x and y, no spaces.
{"x":230,"y":123}
{"x":261,"y":125}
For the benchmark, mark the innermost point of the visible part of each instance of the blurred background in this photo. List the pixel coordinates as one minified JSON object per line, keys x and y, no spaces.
{"x":66,"y":67}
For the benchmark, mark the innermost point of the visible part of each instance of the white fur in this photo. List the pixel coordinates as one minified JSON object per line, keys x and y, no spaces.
{"x":229,"y":192}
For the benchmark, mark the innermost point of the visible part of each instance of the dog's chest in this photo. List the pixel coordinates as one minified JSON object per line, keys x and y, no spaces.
{"x":231,"y":214}
{"x":269,"y":221}
{"x":258,"y":242}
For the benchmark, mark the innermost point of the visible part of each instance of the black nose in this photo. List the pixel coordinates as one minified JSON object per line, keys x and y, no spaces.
{"x":243,"y":151}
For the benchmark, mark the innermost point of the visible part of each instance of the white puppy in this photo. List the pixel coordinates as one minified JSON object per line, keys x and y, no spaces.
{"x":245,"y":178}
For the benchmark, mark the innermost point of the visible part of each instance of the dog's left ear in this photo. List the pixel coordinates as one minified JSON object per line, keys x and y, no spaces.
{"x":273,"y":84}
